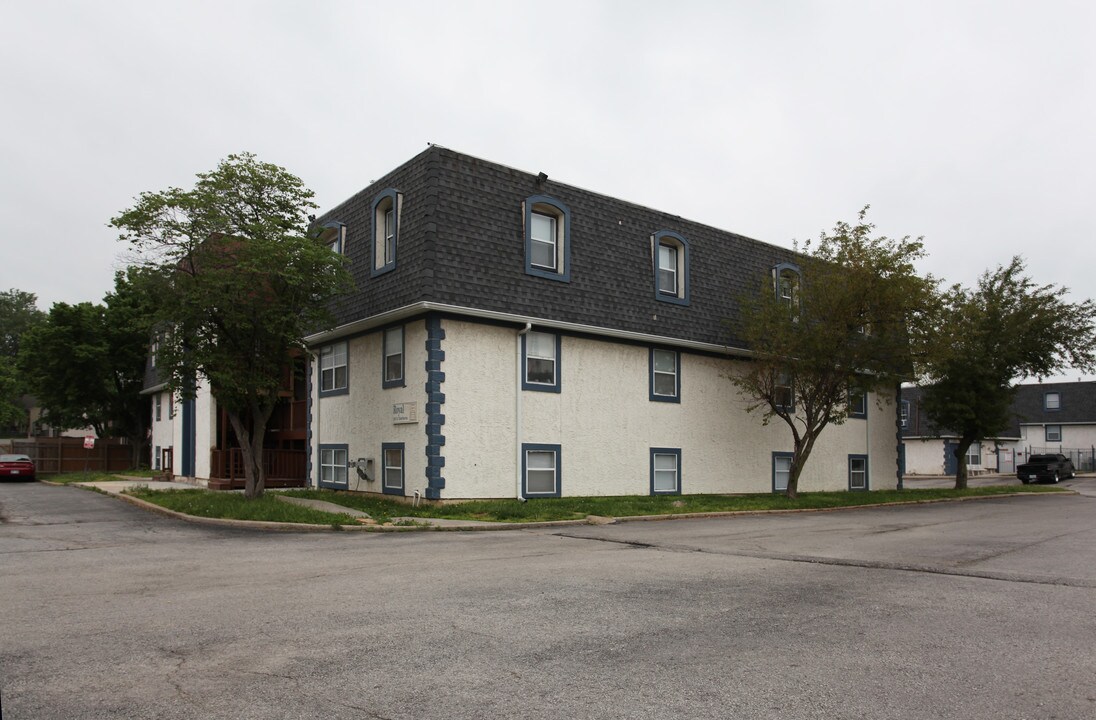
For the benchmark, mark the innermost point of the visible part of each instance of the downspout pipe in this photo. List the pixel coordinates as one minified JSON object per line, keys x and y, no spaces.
{"x":517,"y":409}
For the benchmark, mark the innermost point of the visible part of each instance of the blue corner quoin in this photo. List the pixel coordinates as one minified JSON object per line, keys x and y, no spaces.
{"x":435,"y":419}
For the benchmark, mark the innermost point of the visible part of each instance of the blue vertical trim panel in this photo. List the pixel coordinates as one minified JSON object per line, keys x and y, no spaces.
{"x":308,"y":421}
{"x":435,"y":417}
{"x":189,"y":436}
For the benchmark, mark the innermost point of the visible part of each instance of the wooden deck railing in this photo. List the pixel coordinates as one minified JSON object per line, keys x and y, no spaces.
{"x":285,"y":464}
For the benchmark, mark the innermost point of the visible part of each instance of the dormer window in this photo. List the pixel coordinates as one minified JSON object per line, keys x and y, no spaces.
{"x":670,"y":253}
{"x":334,"y":236}
{"x":547,"y":238}
{"x":386,"y":230}
{"x":1052,"y":401}
{"x":786,"y":281}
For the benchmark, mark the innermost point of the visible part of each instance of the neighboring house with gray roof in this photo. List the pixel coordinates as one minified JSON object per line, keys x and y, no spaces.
{"x":511,"y":335}
{"x":1045,"y":418}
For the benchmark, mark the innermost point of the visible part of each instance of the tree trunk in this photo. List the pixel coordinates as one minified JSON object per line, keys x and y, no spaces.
{"x":800,"y":452}
{"x":961,"y":464}
{"x":251,"y":446}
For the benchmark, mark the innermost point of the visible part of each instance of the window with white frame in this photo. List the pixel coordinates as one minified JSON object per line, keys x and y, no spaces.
{"x":333,"y":375}
{"x":665,"y":471}
{"x":333,"y":465}
{"x":547,"y":238}
{"x":386,"y":230}
{"x":783,"y":391}
{"x":1054,"y":433}
{"x":392,"y":472}
{"x":671,"y":261}
{"x":858,"y":403}
{"x":334,"y":236}
{"x":786,"y":280}
{"x":1052,"y":401}
{"x":974,"y":455}
{"x":159,"y":406}
{"x":540,"y":470}
{"x":156,"y":458}
{"x":904,"y":413}
{"x":541,"y":351}
{"x":665,"y":378}
{"x":393,"y":357}
{"x":782,"y":471}
{"x":858,"y":472}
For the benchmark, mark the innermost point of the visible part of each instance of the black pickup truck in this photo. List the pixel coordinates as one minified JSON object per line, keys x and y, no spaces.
{"x":1045,"y":467}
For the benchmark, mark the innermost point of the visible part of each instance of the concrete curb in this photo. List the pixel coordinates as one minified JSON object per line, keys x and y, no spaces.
{"x":491,"y":527}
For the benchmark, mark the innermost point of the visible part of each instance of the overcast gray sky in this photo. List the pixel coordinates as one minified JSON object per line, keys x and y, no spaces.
{"x":970,"y":123}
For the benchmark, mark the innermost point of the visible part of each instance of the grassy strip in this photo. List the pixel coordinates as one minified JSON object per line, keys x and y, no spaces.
{"x":207,"y":503}
{"x":576,"y":508}
{"x":91,"y":476}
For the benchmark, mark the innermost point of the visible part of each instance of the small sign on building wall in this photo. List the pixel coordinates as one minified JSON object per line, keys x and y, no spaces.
{"x":89,"y":442}
{"x":405,"y":413}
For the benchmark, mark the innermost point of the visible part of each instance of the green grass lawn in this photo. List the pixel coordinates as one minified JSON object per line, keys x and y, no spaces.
{"x":231,"y":505}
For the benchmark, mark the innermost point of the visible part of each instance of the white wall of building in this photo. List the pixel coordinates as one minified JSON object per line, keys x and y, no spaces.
{"x":1078,"y":436}
{"x":162,"y":429}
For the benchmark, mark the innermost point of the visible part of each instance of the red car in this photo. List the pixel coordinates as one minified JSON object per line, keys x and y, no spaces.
{"x":16,"y":467}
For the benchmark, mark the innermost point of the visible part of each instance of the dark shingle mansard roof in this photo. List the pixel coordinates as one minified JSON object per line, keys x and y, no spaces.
{"x":461,"y":243}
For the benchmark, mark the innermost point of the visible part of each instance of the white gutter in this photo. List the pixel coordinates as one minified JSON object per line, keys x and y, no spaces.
{"x":418,"y":308}
{"x":517,"y":409}
{"x":153,"y":389}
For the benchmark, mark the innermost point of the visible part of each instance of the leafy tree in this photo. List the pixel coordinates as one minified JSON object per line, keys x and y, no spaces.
{"x":86,"y":363}
{"x":849,"y":320}
{"x":1007,"y":329}
{"x":243,"y":282}
{"x":18,"y":314}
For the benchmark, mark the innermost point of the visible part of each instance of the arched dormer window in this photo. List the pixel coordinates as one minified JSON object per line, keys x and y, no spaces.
{"x":333,"y":234}
{"x":670,"y":253}
{"x":547,"y":224}
{"x":786,"y":283}
{"x":386,"y":230}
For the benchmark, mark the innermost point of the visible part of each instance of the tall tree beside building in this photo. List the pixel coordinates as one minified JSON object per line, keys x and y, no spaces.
{"x":846,"y":318}
{"x":242,"y":282}
{"x":1007,"y":329}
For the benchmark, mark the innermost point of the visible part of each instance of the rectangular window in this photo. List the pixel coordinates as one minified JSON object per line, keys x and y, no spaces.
{"x":541,"y":360}
{"x":542,"y":241}
{"x":393,"y":357}
{"x":783,"y":393}
{"x":540,"y":470}
{"x":665,"y":471}
{"x":1054,"y":433}
{"x":333,"y":466}
{"x":665,"y":380}
{"x":667,"y":269}
{"x":904,"y":413}
{"x":974,"y":455}
{"x":1052,"y":401}
{"x":858,"y":472}
{"x":782,"y":471}
{"x":392,"y":456}
{"x":858,"y":403}
{"x":333,"y":377}
{"x":159,"y":406}
{"x":156,"y":458}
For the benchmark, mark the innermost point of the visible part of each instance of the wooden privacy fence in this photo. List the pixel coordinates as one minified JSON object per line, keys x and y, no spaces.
{"x":66,"y":454}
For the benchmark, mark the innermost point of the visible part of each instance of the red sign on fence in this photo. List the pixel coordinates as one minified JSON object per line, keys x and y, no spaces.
{"x":89,"y":442}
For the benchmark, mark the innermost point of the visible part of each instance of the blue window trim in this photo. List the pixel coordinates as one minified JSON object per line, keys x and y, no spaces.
{"x":1046,"y":433}
{"x":547,"y":447}
{"x":1050,"y":409}
{"x":777,"y":454}
{"x":682,"y":298}
{"x":319,"y":375}
{"x":867,"y":473}
{"x":904,"y":404}
{"x":340,"y":231}
{"x":384,"y":469}
{"x":386,"y":194}
{"x":676,"y":397}
{"x":858,"y":415}
{"x":401,"y":381}
{"x":791,"y":385}
{"x":541,"y":387}
{"x":665,"y":451}
{"x":319,"y":465}
{"x":563,"y":214}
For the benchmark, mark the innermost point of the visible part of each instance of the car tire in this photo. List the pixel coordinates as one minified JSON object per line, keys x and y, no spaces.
{"x":1025,"y":481}
{"x":1056,"y":478}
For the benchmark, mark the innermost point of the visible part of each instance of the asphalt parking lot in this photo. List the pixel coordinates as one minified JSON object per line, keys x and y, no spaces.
{"x":983,"y":609}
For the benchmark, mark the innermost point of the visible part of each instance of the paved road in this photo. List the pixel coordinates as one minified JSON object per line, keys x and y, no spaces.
{"x":963,"y":610}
